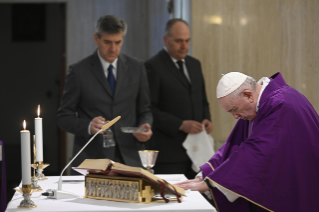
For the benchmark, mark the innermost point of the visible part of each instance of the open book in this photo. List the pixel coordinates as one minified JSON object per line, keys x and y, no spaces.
{"x":108,"y":167}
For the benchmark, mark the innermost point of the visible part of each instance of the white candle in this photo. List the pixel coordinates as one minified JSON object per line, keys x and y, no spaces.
{"x":25,"y":156}
{"x":39,"y":137}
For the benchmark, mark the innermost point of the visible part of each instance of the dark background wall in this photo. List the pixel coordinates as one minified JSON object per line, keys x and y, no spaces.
{"x":30,"y":70}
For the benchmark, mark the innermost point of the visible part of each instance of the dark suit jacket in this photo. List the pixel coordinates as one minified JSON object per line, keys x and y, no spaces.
{"x":173,"y":100}
{"x":87,"y":94}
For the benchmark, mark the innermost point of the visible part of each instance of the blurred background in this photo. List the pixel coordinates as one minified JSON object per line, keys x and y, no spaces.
{"x":39,"y":39}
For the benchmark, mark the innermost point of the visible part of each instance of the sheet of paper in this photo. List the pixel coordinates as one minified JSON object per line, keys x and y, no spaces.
{"x":200,"y":148}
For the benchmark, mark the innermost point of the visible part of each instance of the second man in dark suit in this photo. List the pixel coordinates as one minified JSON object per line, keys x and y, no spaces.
{"x":101,"y":87}
{"x":178,"y":99}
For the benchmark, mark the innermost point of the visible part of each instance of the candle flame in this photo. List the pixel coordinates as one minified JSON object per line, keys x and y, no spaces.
{"x":24,"y":125}
{"x":38,"y":111}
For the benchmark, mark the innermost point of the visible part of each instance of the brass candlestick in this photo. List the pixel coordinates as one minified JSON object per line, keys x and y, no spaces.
{"x":34,"y":184}
{"x":26,"y":192}
{"x":34,"y":179}
{"x":39,"y":166}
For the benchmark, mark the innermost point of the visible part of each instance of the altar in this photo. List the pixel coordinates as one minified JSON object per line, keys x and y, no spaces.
{"x":193,"y":201}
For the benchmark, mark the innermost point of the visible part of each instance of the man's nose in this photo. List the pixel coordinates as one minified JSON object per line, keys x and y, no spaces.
{"x":236,"y":116}
{"x":112,"y":47}
{"x":184,"y":45}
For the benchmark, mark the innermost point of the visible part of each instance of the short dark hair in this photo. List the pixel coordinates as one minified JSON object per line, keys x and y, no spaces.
{"x":171,"y":22}
{"x":110,"y":24}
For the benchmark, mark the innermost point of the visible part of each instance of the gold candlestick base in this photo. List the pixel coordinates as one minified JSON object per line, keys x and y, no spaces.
{"x":39,"y":166}
{"x":26,"y":192}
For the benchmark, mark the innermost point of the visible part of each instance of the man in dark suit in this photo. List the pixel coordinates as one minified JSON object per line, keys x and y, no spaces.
{"x":178,"y":99}
{"x":101,"y":87}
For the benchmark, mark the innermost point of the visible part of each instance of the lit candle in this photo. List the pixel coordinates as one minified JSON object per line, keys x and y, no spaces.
{"x":39,"y":136}
{"x":25,"y":156}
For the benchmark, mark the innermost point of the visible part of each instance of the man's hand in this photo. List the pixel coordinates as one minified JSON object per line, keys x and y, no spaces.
{"x":143,"y":136}
{"x":208,"y":125}
{"x":97,"y":124}
{"x":189,"y":126}
{"x":195,"y":180}
{"x":195,"y":185}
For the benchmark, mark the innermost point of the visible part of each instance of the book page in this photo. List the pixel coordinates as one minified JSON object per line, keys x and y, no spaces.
{"x":100,"y":164}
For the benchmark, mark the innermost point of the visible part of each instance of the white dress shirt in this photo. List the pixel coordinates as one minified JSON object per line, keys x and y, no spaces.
{"x":106,"y":65}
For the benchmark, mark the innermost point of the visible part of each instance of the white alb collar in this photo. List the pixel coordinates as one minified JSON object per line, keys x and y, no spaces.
{"x":264,"y":81}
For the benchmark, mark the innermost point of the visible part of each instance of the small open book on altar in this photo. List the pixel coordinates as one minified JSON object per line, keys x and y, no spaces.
{"x":105,"y":179}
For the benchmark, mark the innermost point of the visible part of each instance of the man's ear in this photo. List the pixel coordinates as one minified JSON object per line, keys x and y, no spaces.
{"x":165,"y":39}
{"x":96,"y":38}
{"x":249,"y":95}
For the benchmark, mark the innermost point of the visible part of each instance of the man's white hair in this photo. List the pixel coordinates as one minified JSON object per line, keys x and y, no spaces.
{"x":249,"y":83}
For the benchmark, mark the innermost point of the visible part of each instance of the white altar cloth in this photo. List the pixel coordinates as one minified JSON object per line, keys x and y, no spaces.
{"x":193,"y":202}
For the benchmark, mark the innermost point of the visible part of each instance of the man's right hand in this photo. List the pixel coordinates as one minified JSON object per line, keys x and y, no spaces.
{"x":194,"y":185}
{"x":189,"y":126}
{"x":195,"y":180}
{"x":97,"y":124}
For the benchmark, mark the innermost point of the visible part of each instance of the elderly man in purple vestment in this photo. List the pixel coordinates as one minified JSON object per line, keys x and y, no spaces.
{"x":270,"y":160}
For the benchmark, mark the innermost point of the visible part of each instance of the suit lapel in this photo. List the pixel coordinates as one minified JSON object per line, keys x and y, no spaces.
{"x":173,"y":69}
{"x":120,"y":74}
{"x":97,"y":70}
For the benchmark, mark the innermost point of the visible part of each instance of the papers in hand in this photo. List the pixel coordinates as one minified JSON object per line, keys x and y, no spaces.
{"x":200,"y":148}
{"x":133,"y":129}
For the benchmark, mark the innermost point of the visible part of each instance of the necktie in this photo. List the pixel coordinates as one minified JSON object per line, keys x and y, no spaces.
{"x":180,"y":65}
{"x":111,"y":78}
{"x":181,"y":68}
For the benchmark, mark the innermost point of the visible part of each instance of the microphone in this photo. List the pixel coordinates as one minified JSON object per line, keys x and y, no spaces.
{"x":58,"y":193}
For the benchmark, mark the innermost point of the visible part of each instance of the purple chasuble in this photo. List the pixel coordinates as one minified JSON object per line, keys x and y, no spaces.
{"x":276,"y":166}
